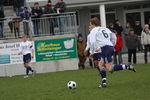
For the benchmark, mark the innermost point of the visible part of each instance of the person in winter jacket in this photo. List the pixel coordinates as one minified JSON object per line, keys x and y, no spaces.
{"x":131,"y":44}
{"x":37,"y":13}
{"x":118,"y":48}
{"x":145,"y":41}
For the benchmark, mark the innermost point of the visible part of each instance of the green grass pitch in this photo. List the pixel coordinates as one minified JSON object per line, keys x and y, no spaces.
{"x":123,"y":85}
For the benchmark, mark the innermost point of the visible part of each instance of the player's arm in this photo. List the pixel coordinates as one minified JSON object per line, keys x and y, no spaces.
{"x":32,"y":50}
{"x":20,"y":50}
{"x":87,"y":45}
{"x":113,"y":38}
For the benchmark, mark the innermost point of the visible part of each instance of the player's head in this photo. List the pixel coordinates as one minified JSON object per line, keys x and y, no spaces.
{"x":25,"y":38}
{"x":94,"y":22}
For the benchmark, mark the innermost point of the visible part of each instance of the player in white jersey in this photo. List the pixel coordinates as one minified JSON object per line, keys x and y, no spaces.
{"x":102,"y":40}
{"x":26,"y":49}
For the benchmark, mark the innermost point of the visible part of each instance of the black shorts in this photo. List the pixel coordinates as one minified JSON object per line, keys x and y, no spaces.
{"x":97,"y":56}
{"x":107,"y":53}
{"x":27,"y":58}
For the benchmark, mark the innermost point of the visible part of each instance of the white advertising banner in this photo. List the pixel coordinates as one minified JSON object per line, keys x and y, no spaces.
{"x":9,"y":54}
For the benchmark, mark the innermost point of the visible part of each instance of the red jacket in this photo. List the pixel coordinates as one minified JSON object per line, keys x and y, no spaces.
{"x":119,"y":43}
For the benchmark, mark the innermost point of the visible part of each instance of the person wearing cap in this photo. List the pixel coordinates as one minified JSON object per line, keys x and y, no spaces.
{"x":131,"y":41}
{"x":49,"y":10}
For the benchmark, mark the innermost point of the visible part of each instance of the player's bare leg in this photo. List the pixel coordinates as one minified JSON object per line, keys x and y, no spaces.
{"x":102,"y":73}
{"x":28,"y":68}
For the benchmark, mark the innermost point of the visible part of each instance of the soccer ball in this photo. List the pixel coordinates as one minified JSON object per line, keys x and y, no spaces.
{"x":71,"y":85}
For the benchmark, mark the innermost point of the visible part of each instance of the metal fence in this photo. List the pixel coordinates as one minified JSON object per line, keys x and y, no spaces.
{"x":46,"y":25}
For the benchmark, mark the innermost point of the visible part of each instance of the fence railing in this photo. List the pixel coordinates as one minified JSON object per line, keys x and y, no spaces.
{"x":46,"y":25}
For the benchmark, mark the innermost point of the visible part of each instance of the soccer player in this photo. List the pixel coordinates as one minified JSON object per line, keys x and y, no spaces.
{"x":26,"y":49}
{"x":102,"y":40}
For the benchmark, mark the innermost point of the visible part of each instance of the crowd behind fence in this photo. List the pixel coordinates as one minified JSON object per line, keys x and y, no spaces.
{"x":46,"y":25}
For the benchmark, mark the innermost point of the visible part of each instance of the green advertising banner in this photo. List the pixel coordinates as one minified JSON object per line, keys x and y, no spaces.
{"x":55,"y":49}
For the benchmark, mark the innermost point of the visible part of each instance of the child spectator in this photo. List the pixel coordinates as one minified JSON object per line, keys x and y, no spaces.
{"x":118,"y":48}
{"x":81,"y":45}
{"x":131,"y":41}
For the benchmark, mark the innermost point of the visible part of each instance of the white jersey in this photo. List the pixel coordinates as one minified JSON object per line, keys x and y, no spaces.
{"x":100,"y":37}
{"x":26,"y":47}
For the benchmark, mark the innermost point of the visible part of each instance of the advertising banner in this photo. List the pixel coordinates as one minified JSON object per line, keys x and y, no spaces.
{"x":55,"y":49}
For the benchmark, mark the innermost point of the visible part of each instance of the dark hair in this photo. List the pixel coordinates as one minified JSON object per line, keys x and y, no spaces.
{"x":36,"y":3}
{"x":25,"y":7}
{"x":95,"y":21}
{"x":49,"y":1}
{"x":80,"y":35}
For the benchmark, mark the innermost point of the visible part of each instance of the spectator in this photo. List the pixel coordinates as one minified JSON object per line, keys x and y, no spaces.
{"x":127,"y":28}
{"x":138,"y":29}
{"x":2,"y":4}
{"x":131,"y":41}
{"x":111,"y":27}
{"x":81,"y":45}
{"x":2,"y":16}
{"x":59,"y":8}
{"x":118,"y":48}
{"x":49,"y":10}
{"x":26,"y":15}
{"x":18,"y":4}
{"x":36,"y":12}
{"x":16,"y":25}
{"x":118,"y":27}
{"x":145,"y":41}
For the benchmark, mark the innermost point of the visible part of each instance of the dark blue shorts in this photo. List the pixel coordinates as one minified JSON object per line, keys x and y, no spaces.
{"x":107,"y":53}
{"x":27,"y":58}
{"x":97,"y":56}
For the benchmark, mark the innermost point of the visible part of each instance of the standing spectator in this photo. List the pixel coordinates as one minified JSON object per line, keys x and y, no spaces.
{"x":60,"y":7}
{"x":118,"y":27}
{"x":111,"y":27}
{"x":118,"y":48}
{"x":81,"y":45}
{"x":2,"y":16}
{"x":26,"y":15}
{"x":2,"y":4}
{"x":138,"y":29}
{"x":127,"y":28}
{"x":16,"y":25}
{"x":131,"y":41}
{"x":145,"y":40}
{"x":36,"y":12}
{"x":49,"y":10}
